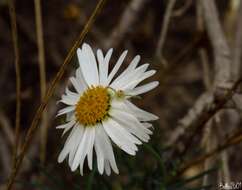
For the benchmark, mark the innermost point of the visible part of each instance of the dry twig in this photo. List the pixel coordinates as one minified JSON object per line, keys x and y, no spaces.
{"x":235,"y":139}
{"x":237,"y":46}
{"x":206,"y":106}
{"x":12,"y":13}
{"x":206,"y":71}
{"x":164,"y":29}
{"x":180,"y":11}
{"x":222,"y":54}
{"x":209,"y":137}
{"x":41,"y":56}
{"x":205,"y":109}
{"x":129,"y":17}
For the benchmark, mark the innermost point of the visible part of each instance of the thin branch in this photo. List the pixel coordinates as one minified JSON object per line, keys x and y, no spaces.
{"x":207,"y":104}
{"x":209,"y":138}
{"x":12,"y":13}
{"x":182,"y":10}
{"x":226,"y":169}
{"x":207,"y":79}
{"x":209,"y":141}
{"x":236,"y":63}
{"x":41,"y":56}
{"x":221,"y":49}
{"x":206,"y":71}
{"x":201,"y":106}
{"x":179,"y":61}
{"x":236,"y":138}
{"x":164,"y":29}
{"x":50,"y":92}
{"x":129,"y":17}
{"x":205,"y":108}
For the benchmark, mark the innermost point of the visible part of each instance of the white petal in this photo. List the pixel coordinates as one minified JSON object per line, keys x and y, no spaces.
{"x":66,"y":110}
{"x":100,"y":57}
{"x":134,"y":83}
{"x":76,"y":85}
{"x":117,"y":66}
{"x":103,"y":143}
{"x":103,"y":64}
{"x":89,"y":155}
{"x":69,"y":97}
{"x":81,"y":151}
{"x":129,"y":77}
{"x":129,"y":69}
{"x":99,"y":149}
{"x":142,"y":89}
{"x":81,"y":80}
{"x":88,"y":65}
{"x":131,"y":124}
{"x":132,"y":65}
{"x":107,"y":168}
{"x":70,"y":93}
{"x":69,"y":100}
{"x":84,"y":148}
{"x":89,"y":147}
{"x":148,"y":125}
{"x":120,"y":136}
{"x":66,"y":126}
{"x":70,"y":116}
{"x":77,"y":137}
{"x":118,"y":129}
{"x":66,"y":148}
{"x":142,"y":115}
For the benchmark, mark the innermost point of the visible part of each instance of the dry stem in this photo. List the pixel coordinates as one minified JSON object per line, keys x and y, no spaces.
{"x":130,"y":15}
{"x":12,"y":13}
{"x":236,"y":138}
{"x":164,"y":28}
{"x":180,"y":11}
{"x":41,"y":56}
{"x":221,"y":49}
{"x":206,"y":111}
{"x":237,"y":46}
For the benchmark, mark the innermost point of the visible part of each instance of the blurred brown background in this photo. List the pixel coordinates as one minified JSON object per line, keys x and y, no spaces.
{"x":180,"y":44}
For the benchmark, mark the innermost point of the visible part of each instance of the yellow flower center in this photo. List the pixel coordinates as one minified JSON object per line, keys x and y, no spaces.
{"x":93,"y":106}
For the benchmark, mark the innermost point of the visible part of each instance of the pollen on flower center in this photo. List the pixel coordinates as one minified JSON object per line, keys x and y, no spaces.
{"x":93,"y":106}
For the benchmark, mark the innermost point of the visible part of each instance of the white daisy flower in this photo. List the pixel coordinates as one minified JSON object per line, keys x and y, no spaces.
{"x":100,"y":112}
